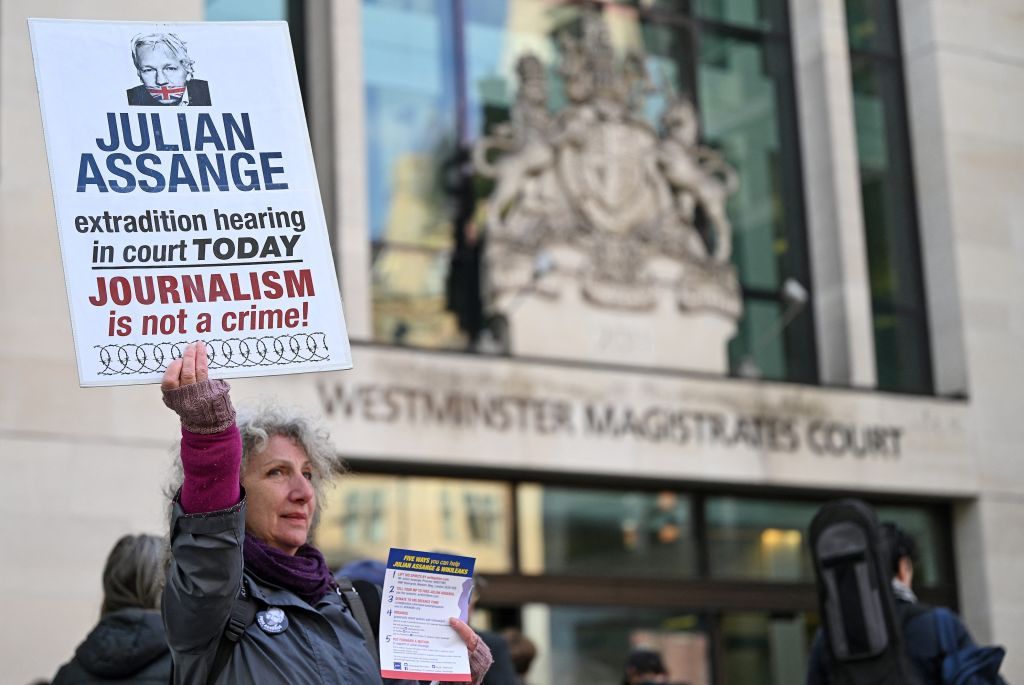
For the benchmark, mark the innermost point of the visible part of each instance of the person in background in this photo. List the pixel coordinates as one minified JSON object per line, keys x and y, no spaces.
{"x":920,"y":637}
{"x":369,"y":570}
{"x":522,"y":651}
{"x":367,"y":579}
{"x":502,"y":672}
{"x":240,"y":528}
{"x":644,"y":667}
{"x":127,"y":645}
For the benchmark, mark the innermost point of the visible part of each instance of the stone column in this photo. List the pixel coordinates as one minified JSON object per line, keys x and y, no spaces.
{"x":335,"y":97}
{"x":921,"y":65}
{"x":835,"y":222}
{"x":965,"y":81}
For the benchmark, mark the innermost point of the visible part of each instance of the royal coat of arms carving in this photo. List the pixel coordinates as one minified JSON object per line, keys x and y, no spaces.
{"x":607,"y":200}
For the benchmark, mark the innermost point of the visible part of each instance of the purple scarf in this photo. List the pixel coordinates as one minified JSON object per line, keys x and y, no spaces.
{"x":306,"y":574}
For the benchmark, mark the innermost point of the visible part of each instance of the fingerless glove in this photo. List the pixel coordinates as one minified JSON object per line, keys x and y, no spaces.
{"x":204,"y":407}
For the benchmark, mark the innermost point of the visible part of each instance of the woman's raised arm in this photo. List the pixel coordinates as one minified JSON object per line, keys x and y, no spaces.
{"x":211,"y":449}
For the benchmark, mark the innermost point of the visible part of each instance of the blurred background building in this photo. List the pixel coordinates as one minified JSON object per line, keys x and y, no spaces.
{"x":563,"y":365}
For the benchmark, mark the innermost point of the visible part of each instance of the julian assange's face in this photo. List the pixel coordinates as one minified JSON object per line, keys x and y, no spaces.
{"x":280,"y":496}
{"x":159,"y":67}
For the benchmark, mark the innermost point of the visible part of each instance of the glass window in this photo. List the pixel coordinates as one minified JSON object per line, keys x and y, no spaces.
{"x":764,"y":649}
{"x":246,"y":10}
{"x":411,"y":136}
{"x":930,"y":533}
{"x":744,"y":90}
{"x":737,"y":102}
{"x":605,"y":532}
{"x":367,"y":515}
{"x":409,"y":297}
{"x":869,"y":26}
{"x":766,"y":351}
{"x":766,"y":540}
{"x":590,"y":644}
{"x":498,"y":33}
{"x":887,"y":196}
{"x":757,"y":14}
{"x":437,"y":79}
{"x":752,"y":539}
{"x":267,"y":10}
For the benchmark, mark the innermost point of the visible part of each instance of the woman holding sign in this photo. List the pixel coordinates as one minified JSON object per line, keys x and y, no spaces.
{"x":248,"y":599}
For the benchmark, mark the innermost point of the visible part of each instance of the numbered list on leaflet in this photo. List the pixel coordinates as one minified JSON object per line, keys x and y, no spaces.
{"x":422,"y":590}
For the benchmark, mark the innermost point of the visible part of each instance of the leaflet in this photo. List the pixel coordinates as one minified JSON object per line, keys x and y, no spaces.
{"x":422,"y":590}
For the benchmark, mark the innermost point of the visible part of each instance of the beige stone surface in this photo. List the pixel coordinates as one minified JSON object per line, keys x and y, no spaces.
{"x":571,"y":328}
{"x":400,"y":405}
{"x":966,"y":75}
{"x":351,"y":192}
{"x":931,"y":156}
{"x":70,"y":501}
{"x":835,"y":222}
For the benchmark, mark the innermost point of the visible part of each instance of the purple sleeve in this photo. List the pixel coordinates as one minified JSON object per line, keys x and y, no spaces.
{"x":211,"y":463}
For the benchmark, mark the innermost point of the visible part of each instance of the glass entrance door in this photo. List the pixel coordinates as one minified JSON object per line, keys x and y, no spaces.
{"x":760,"y":648}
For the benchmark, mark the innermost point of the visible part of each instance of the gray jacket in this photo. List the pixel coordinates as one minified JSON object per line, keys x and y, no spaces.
{"x":320,"y":644}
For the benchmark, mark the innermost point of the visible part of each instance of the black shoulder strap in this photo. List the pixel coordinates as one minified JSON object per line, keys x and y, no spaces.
{"x":372,"y":596}
{"x":358,"y":609}
{"x":243,"y":611}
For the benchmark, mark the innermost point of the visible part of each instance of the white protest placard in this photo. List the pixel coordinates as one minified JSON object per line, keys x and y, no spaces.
{"x":186,"y":199}
{"x":422,"y":590}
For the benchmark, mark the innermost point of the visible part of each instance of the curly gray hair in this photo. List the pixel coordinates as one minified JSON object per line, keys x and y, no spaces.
{"x":258,"y":424}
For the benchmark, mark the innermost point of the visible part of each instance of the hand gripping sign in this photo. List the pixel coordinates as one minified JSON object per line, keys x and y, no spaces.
{"x":186,"y":199}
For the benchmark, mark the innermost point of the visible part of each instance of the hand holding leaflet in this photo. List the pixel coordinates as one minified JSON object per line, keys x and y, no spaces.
{"x":422,"y":591}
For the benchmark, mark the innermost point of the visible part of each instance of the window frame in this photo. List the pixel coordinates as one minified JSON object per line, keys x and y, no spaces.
{"x":511,"y":589}
{"x":711,"y":598}
{"x":799,"y":338}
{"x":900,"y":166}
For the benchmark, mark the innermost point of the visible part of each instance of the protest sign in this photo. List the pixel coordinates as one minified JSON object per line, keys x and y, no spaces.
{"x":186,"y":199}
{"x":422,"y":590}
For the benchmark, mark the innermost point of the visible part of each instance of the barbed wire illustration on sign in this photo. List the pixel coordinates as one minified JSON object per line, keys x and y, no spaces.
{"x":228,"y":353}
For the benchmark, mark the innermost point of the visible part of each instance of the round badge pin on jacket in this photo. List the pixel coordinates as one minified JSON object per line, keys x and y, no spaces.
{"x":272,"y":621}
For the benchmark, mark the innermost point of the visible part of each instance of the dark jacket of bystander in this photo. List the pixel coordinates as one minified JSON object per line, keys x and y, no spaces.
{"x":125,"y":646}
